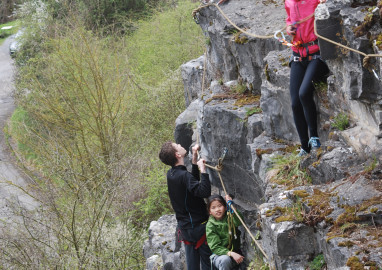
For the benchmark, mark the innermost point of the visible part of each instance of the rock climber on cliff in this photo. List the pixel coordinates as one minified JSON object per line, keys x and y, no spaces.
{"x":306,"y":67}
{"x":186,"y":195}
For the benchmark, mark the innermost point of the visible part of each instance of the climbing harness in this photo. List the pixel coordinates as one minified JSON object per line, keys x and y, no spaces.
{"x":197,"y":245}
{"x":308,"y":58}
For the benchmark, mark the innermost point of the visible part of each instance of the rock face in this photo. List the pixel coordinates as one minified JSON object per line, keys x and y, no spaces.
{"x":162,"y":249}
{"x":333,"y":204}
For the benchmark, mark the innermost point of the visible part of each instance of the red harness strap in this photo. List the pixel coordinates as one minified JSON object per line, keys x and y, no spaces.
{"x":198,"y":244}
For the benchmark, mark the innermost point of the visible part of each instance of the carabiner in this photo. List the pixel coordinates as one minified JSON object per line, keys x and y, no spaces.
{"x":282,"y":34}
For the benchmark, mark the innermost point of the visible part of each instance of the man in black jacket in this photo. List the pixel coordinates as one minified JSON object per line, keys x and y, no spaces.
{"x":186,"y":191}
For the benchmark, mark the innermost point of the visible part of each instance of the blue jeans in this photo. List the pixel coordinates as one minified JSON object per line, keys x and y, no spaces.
{"x":196,"y":257}
{"x":223,"y":262}
{"x":301,"y":91}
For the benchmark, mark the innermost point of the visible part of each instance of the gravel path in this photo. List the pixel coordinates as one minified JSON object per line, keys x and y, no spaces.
{"x":8,"y":171}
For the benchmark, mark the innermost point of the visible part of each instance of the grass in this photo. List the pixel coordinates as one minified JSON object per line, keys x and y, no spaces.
{"x":341,"y":121}
{"x":289,"y":173}
{"x":318,"y":263}
{"x":4,"y":34}
{"x":163,"y":43}
{"x":252,"y":111}
{"x":18,"y":124}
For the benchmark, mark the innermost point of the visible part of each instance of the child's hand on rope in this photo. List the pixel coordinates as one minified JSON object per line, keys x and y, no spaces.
{"x":237,"y":257}
{"x":227,"y":198}
{"x":322,"y":1}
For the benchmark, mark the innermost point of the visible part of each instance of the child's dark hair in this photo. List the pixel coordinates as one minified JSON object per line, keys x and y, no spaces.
{"x":167,"y":154}
{"x":213,"y":198}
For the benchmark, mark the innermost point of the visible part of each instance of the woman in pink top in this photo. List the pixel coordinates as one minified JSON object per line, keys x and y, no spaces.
{"x":306,"y":67}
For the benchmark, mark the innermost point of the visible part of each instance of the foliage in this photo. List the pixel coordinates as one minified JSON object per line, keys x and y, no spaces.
{"x":75,"y":112}
{"x":341,"y":121}
{"x":239,"y":88}
{"x":371,"y":165}
{"x":289,"y":172}
{"x":37,"y":27}
{"x":162,"y":44}
{"x":294,"y":212}
{"x":20,"y":122}
{"x":258,"y":262}
{"x":321,"y":86}
{"x":4,"y":33}
{"x":104,"y":15}
{"x":318,"y":263}
{"x":253,"y":111}
{"x":156,"y":202}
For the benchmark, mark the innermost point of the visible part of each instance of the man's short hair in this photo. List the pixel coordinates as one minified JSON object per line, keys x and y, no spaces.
{"x":167,"y":154}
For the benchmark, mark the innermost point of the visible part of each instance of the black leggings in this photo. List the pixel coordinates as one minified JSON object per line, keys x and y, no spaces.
{"x":301,"y":91}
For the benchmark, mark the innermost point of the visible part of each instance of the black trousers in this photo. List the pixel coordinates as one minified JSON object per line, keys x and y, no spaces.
{"x":302,"y":75}
{"x":196,"y":257}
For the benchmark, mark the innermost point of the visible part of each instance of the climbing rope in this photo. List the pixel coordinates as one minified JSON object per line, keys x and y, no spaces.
{"x":366,"y":60}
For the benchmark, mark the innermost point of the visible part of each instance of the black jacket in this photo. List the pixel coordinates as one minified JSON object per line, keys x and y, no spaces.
{"x":186,"y":194}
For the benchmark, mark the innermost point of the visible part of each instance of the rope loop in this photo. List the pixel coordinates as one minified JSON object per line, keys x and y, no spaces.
{"x":366,"y":62}
{"x":219,"y":167}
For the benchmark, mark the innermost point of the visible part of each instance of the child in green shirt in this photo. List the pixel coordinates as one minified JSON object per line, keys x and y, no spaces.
{"x":223,"y":237}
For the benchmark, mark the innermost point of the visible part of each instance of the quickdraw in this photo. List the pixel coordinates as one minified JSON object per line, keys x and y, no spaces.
{"x":282,"y":39}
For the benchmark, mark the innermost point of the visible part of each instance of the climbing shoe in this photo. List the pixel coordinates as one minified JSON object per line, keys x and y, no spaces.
{"x":302,"y":153}
{"x":314,"y":143}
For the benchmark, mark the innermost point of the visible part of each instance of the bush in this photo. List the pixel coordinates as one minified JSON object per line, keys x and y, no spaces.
{"x":162,"y":44}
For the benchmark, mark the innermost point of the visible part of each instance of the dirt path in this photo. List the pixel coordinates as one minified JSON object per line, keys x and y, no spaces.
{"x":8,"y":171}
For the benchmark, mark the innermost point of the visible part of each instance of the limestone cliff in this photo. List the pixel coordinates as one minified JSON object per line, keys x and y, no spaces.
{"x":243,"y":105}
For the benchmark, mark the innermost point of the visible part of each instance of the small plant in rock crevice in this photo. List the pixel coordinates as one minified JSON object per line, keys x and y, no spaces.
{"x":318,"y":263}
{"x":341,"y":121}
{"x":371,"y":166}
{"x":239,"y":88}
{"x":252,"y":111}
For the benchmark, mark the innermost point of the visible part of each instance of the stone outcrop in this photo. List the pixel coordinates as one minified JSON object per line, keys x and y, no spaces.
{"x":162,"y":249}
{"x":335,"y":207}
